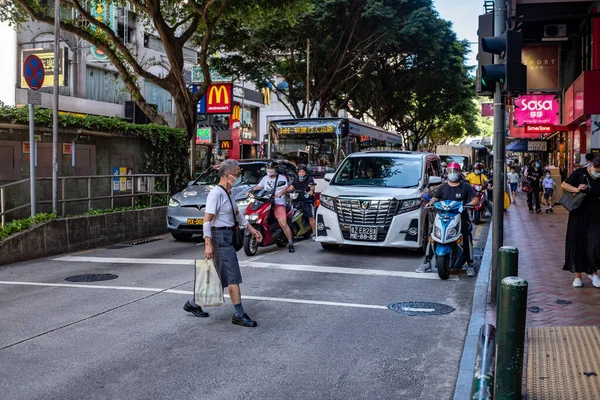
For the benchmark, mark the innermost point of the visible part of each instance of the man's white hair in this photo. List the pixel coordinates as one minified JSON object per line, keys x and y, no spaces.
{"x":227,"y":167}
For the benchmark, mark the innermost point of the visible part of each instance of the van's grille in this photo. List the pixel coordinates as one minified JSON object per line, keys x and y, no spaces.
{"x":366,"y":212}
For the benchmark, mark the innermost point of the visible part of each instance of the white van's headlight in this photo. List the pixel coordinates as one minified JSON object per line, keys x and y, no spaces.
{"x":409,"y":205}
{"x":173,"y":202}
{"x":328,"y":202}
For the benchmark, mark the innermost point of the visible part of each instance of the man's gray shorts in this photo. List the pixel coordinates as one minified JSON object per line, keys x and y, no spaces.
{"x":226,"y":261}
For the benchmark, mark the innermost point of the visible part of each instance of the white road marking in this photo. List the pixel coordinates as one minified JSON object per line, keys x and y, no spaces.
{"x":411,"y":309}
{"x":190,"y":293}
{"x":255,"y":264}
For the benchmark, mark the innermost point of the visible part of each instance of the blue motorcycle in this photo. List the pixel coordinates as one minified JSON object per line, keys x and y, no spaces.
{"x":446,"y":237}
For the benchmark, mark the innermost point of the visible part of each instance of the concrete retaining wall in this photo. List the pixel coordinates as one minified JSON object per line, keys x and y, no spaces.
{"x":79,"y":233}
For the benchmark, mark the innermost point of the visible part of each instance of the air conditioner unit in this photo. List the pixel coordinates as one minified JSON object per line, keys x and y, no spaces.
{"x":554,"y":31}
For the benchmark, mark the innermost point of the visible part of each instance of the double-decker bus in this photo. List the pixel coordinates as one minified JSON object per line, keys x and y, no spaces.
{"x":325,"y":142}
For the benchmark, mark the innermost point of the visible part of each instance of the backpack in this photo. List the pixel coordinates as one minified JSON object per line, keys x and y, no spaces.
{"x":526,"y":185}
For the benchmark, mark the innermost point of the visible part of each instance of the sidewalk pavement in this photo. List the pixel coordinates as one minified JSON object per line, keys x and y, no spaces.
{"x":562,"y":359}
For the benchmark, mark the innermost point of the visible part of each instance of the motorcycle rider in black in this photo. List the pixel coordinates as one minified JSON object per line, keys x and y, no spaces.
{"x":305,"y":184}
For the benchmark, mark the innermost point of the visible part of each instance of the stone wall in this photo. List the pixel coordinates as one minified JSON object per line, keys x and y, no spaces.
{"x":79,"y":233}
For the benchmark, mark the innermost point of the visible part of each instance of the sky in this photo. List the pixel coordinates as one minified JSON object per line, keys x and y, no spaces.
{"x":463,"y":14}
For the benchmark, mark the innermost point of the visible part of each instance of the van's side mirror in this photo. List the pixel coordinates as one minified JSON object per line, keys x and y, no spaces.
{"x":434,"y":181}
{"x":328,"y":177}
{"x":190,"y":183}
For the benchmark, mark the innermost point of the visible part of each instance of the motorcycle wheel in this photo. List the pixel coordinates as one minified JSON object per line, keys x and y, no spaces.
{"x":477,"y":217}
{"x":250,"y":245}
{"x":442,"y":264}
{"x":281,"y":243}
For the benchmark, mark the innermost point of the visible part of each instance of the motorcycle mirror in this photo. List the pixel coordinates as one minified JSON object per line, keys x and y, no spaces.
{"x":426,"y":197}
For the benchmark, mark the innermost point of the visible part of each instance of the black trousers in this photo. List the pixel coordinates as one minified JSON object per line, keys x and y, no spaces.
{"x":466,"y":230}
{"x":533,"y":196}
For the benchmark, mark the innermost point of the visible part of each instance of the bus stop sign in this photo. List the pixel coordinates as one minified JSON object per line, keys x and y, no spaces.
{"x":33,"y":72}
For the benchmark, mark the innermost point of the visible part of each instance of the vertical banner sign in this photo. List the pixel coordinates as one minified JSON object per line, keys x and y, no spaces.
{"x":123,"y":179}
{"x":105,"y":13}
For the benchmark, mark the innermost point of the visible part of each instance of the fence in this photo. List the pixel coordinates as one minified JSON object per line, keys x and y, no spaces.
{"x":78,"y":194}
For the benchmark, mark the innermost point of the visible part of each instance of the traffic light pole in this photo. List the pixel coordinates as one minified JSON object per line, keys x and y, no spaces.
{"x":499,"y":155}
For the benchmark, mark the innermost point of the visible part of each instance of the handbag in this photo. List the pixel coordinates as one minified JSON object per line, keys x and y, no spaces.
{"x":237,"y":240}
{"x":572,"y":201}
{"x":526,"y":185}
{"x":208,"y":291}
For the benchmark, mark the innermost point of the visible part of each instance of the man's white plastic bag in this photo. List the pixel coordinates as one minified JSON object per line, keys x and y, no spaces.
{"x":208,"y":291}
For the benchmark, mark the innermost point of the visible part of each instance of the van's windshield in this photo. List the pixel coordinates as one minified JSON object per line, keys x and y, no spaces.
{"x":396,"y":172}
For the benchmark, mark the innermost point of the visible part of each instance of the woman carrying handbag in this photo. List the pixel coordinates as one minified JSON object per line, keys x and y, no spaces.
{"x":582,"y":249}
{"x":221,"y":220}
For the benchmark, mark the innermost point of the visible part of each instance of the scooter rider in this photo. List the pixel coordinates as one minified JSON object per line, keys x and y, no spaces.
{"x":455,"y":189}
{"x":477,"y":177}
{"x":305,"y":184}
{"x":270,"y":183}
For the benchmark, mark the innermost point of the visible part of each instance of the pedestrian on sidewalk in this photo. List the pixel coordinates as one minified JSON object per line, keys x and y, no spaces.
{"x":582,"y":248}
{"x":549,"y":185}
{"x":534,"y":174}
{"x":218,"y":236}
{"x":589,"y":158}
{"x":513,"y":180}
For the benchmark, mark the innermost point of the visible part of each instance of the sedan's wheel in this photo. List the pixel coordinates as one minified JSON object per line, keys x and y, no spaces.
{"x":184,"y":237}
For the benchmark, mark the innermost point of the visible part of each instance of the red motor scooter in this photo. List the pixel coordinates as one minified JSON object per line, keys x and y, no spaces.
{"x":259,"y":214}
{"x":481,"y":207}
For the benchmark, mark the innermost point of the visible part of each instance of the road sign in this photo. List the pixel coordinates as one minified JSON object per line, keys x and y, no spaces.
{"x":34,"y":97}
{"x":33,"y":71}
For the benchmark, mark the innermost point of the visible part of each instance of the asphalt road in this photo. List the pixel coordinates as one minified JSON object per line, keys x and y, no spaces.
{"x":324,"y":328}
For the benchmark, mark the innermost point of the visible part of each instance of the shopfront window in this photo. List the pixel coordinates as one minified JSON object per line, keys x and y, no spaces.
{"x":249,"y":123}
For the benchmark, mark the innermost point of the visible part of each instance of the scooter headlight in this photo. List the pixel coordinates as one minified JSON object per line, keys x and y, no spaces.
{"x":252,"y":218}
{"x":437,"y":232}
{"x":452,"y":233}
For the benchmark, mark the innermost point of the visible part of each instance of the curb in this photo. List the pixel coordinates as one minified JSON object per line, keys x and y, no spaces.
{"x":466,"y":369}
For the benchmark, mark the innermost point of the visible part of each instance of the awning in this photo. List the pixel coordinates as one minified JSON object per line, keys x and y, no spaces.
{"x":517,"y":147}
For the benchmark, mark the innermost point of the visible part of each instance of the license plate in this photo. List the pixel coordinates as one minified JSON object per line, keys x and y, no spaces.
{"x":195,"y":221}
{"x":363,"y":233}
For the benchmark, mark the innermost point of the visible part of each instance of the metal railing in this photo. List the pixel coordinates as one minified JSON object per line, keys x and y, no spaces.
{"x":144,"y":183}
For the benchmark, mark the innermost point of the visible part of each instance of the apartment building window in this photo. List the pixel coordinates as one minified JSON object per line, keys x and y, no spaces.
{"x":158,"y":96}
{"x":105,"y":86}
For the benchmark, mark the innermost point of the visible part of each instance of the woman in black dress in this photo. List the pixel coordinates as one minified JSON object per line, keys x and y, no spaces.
{"x":582,"y":252}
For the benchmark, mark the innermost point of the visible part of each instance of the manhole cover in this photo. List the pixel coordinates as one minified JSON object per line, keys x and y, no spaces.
{"x":413,"y":308}
{"x":91,"y":278}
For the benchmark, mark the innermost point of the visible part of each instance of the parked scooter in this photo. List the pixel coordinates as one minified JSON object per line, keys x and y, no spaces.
{"x":259,"y":213}
{"x":300,"y":225}
{"x":446,"y":237}
{"x":481,"y":207}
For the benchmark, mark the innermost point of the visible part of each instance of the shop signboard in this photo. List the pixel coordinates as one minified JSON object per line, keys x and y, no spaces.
{"x":47,"y":58}
{"x":542,"y":63}
{"x":487,"y":110}
{"x":219,"y":98}
{"x":537,"y":146}
{"x":539,"y":128}
{"x":536,"y":109}
{"x":203,"y":135}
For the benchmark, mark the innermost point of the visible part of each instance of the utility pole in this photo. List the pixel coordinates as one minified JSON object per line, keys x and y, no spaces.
{"x":499,"y":152}
{"x":55,"y":107}
{"x":307,"y":78}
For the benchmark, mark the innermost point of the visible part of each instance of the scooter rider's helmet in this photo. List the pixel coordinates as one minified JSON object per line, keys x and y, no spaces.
{"x":302,"y":167}
{"x":444,"y":164}
{"x":454,"y":166}
{"x":478,"y":167}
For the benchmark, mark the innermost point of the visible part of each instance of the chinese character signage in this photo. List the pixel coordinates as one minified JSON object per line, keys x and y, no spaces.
{"x":47,"y":57}
{"x":536,"y":109}
{"x":203,"y":136}
{"x":104,"y":12}
{"x":542,"y":67}
{"x":287,"y":130}
{"x":487,"y":110}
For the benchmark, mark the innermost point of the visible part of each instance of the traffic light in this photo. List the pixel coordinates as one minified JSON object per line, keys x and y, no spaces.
{"x":486,"y":29}
{"x":510,"y":73}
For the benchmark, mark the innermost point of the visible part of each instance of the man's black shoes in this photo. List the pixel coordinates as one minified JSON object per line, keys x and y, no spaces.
{"x":244,"y":320}
{"x":291,"y":248}
{"x":197,"y":311}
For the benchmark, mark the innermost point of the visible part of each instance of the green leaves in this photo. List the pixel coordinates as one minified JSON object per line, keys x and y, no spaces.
{"x":20,"y":225}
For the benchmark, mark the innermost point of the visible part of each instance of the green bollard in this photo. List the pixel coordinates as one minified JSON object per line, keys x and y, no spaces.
{"x":482,"y":387}
{"x":510,"y":337}
{"x":508,"y":265}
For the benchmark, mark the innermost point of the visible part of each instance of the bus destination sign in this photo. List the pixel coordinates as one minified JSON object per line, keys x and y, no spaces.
{"x":298,"y":130}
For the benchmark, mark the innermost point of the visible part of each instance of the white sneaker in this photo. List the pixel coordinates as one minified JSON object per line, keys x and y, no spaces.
{"x":577,"y":283}
{"x":426,"y":267}
{"x":596,"y":281}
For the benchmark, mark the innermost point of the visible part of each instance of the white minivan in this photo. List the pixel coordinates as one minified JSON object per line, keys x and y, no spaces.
{"x":376,"y":199}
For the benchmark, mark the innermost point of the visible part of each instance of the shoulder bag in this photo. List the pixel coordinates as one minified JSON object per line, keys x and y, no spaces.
{"x":572,"y":201}
{"x":237,"y":240}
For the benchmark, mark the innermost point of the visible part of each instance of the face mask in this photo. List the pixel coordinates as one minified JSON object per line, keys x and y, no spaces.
{"x":302,"y":178}
{"x":548,"y":176}
{"x":271,"y":172}
{"x":477,"y":172}
{"x":453,"y":176}
{"x":512,"y":171}
{"x":595,"y":174}
{"x":537,"y":165}
{"x":236,"y":181}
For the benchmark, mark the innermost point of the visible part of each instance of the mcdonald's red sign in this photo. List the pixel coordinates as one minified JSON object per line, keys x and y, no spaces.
{"x":219,"y":98}
{"x":226,"y":144}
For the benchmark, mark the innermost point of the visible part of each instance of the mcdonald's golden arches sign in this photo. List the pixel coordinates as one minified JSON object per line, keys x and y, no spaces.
{"x":219,"y":98}
{"x":226,"y":144}
{"x":236,"y":113}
